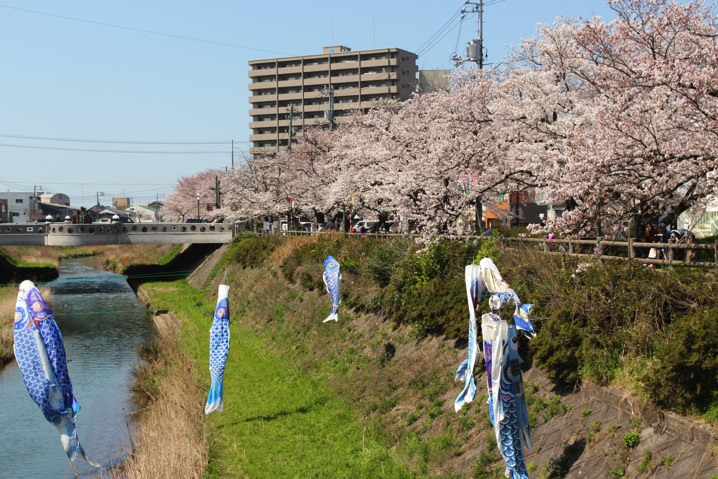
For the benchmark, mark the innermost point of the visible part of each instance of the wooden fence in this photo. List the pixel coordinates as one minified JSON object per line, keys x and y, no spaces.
{"x":670,"y":254}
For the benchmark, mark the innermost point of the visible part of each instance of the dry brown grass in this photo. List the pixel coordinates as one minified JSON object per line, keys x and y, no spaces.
{"x":284,"y":249}
{"x":170,"y":438}
{"x":8,"y":297}
{"x":35,"y":254}
{"x":7,"y":315}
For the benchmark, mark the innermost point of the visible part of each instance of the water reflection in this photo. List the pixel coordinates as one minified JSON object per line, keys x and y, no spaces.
{"x":102,"y":324}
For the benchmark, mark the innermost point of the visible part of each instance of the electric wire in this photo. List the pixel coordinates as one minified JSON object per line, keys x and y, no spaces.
{"x":144,"y":152}
{"x":119,"y":142}
{"x":427,"y":49}
{"x":420,"y":50}
{"x":122,"y":142}
{"x":140,"y":30}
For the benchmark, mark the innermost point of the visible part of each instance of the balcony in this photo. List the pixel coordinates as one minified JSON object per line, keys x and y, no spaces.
{"x":263,"y":99}
{"x":262,"y":124}
{"x":290,"y":96}
{"x":345,"y":79}
{"x":378,"y":76}
{"x":338,"y":66}
{"x":263,"y":137}
{"x":289,"y":70}
{"x":384,"y":62}
{"x":344,"y":92}
{"x":379,"y":90}
{"x":316,"y":67}
{"x":264,"y":85}
{"x":350,"y":105}
{"x":317,"y":81}
{"x":262,"y":150}
{"x":262,"y":111}
{"x":315,"y":108}
{"x":262,"y":72}
{"x":290,"y":83}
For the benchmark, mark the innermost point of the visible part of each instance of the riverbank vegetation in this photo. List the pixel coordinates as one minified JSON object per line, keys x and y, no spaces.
{"x":171,"y":438}
{"x":40,"y":264}
{"x":118,"y":258}
{"x":376,"y":390}
{"x":111,"y":257}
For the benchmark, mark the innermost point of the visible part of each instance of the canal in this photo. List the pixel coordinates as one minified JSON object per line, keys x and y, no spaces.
{"x":102,"y":325}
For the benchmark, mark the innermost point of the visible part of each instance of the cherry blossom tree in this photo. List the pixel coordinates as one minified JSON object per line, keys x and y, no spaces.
{"x":636,"y":103}
{"x":618,"y":120}
{"x":182,"y":202}
{"x":259,"y":187}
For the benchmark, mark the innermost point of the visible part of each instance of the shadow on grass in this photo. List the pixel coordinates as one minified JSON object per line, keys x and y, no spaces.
{"x":270,"y":417}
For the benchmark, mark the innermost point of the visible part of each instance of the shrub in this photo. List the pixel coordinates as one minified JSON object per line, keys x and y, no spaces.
{"x":427,"y":289}
{"x":248,"y":249}
{"x":383,"y":260}
{"x":631,"y":440}
{"x":684,"y":374}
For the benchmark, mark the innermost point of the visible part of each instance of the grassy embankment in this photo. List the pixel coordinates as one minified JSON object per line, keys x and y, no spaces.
{"x":279,"y":419}
{"x":293,"y":384}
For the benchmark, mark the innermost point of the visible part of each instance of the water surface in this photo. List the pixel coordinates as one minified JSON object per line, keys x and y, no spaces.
{"x":102,"y":325}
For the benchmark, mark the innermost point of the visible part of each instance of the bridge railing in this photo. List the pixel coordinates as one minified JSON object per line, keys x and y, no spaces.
{"x":73,"y":234}
{"x":23,"y":234}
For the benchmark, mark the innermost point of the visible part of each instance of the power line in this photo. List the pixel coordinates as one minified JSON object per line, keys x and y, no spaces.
{"x":121,"y":27}
{"x":145,"y":152}
{"x":436,"y":42}
{"x":432,"y":39}
{"x":36,"y":182}
{"x":119,"y":142}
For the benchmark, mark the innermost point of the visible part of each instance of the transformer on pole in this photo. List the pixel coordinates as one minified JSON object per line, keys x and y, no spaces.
{"x":474,"y":47}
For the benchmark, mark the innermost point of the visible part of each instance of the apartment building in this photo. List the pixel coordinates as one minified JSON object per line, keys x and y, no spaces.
{"x":291,"y":94}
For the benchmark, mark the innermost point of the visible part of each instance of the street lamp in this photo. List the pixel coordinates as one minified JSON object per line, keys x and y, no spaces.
{"x":197,"y":206}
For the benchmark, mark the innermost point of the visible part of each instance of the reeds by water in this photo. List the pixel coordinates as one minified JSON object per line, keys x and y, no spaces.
{"x":170,"y":438}
{"x":8,"y":297}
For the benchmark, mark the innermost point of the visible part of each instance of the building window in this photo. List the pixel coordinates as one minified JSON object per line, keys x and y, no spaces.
{"x":18,"y":200}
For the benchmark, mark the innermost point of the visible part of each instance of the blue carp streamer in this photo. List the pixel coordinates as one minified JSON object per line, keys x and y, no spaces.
{"x":40,"y":354}
{"x":331,"y":279}
{"x":474,"y":292}
{"x":218,"y":350}
{"x":507,"y":400}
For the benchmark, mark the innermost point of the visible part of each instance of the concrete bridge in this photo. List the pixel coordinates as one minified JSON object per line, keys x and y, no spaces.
{"x":71,"y":234}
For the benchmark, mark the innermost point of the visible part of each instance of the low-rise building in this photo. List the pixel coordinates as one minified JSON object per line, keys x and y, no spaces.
{"x":21,"y":207}
{"x":143,"y":213}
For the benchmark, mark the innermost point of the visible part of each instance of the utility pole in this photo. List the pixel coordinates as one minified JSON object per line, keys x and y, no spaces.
{"x":217,"y":191}
{"x":292,"y":130}
{"x":474,"y":53}
{"x":329,"y":114}
{"x":474,"y":47}
{"x":233,"y":154}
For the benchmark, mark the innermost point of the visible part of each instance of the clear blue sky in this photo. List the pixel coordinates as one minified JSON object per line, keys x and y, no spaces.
{"x":124,"y":76}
